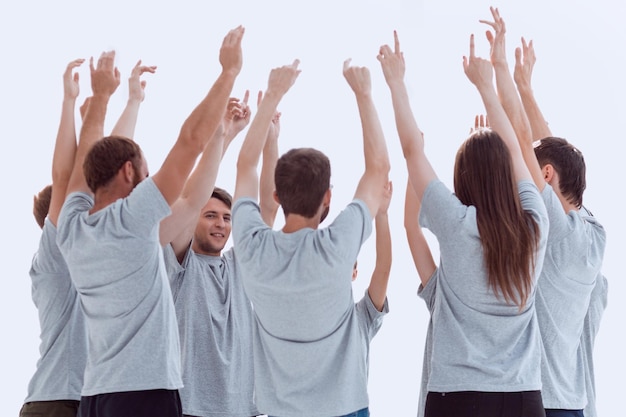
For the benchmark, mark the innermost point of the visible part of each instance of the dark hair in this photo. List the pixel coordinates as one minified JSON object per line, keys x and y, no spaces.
{"x":484,"y":178}
{"x":223,"y":196}
{"x":568,"y":162}
{"x":106,"y":157}
{"x":302,"y":177}
{"x":41,"y":204}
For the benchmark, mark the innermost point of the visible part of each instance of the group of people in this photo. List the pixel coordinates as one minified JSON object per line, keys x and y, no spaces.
{"x":143,"y":312}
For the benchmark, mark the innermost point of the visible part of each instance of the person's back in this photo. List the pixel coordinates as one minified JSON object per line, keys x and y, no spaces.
{"x":307,"y":353}
{"x":573,"y":260}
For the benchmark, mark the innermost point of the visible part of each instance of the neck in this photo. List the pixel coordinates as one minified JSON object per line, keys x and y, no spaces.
{"x":106,"y":196}
{"x":295,"y":222}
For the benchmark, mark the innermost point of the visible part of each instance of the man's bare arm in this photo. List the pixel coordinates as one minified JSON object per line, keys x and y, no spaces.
{"x":280,"y":81}
{"x":269,"y":206}
{"x":202,"y":123}
{"x":380,"y":277}
{"x":372,"y":184}
{"x":105,"y":78}
{"x":125,"y":125}
{"x":178,"y":228}
{"x":65,"y":145}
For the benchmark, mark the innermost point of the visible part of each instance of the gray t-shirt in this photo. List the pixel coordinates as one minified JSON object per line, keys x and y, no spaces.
{"x":573,"y":259}
{"x":308,"y":355}
{"x":480,"y":342}
{"x":63,"y":348}
{"x":215,"y":326}
{"x":116,"y":264}
{"x":427,"y":293}
{"x":597,"y":305}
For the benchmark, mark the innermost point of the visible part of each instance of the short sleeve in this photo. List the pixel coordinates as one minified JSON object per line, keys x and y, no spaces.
{"x":350,"y":229}
{"x":370,"y":319}
{"x":427,"y":292}
{"x":246,"y":223}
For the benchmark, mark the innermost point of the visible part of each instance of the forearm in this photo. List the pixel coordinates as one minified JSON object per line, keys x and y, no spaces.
{"x":374,"y":146}
{"x":380,"y":276}
{"x":65,"y":145}
{"x":250,"y":153}
{"x":204,"y":120}
{"x":269,"y":206}
{"x":411,"y":138}
{"x":511,"y":102}
{"x":125,"y":125}
{"x":420,"y":251}
{"x":538,"y":124}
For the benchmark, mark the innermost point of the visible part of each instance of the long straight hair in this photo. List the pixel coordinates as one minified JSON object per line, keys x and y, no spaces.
{"x":483,"y":178}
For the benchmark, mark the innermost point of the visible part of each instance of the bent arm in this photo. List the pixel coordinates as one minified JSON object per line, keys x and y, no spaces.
{"x":202,"y":123}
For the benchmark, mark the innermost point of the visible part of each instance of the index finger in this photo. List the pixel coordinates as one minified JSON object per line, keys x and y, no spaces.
{"x":396,"y":42}
{"x":245,"y":98}
{"x":472,"y":54}
{"x":346,"y":64}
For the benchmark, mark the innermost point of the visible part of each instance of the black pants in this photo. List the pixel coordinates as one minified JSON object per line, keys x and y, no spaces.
{"x":58,"y":408}
{"x":150,"y":403}
{"x":484,"y":404}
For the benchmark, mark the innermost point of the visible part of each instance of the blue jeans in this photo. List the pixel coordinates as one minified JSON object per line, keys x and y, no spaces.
{"x":563,"y":413}
{"x":361,"y":413}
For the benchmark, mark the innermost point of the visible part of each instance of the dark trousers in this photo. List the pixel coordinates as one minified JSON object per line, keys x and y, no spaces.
{"x":484,"y":404}
{"x":149,"y":403}
{"x":58,"y":408}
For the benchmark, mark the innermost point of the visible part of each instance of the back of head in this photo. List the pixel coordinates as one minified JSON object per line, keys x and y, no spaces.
{"x":484,"y":178}
{"x":41,"y":205}
{"x":568,"y":162}
{"x":223,"y":196}
{"x":106,"y":157}
{"x":302,"y":177}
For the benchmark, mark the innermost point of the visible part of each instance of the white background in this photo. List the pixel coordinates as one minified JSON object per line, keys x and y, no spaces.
{"x":578,"y":82}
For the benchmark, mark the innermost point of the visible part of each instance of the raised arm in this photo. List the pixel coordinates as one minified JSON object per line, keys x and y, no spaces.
{"x":65,"y":145}
{"x":178,"y":228}
{"x":280,"y":80}
{"x":105,"y":78}
{"x":380,"y":277}
{"x":411,"y":137}
{"x":125,"y":125}
{"x":267,"y":202}
{"x":375,"y":178}
{"x":524,"y":63}
{"x":420,"y":251}
{"x":509,"y":97}
{"x":480,"y":72}
{"x":202,"y":123}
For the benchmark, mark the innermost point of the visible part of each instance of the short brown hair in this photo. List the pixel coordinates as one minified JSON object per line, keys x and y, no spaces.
{"x":41,"y":205}
{"x":568,"y":162}
{"x":302,"y":177}
{"x":223,"y":196}
{"x":106,"y":157}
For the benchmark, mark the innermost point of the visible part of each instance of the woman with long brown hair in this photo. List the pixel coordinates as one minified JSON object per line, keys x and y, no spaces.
{"x":492,"y":235}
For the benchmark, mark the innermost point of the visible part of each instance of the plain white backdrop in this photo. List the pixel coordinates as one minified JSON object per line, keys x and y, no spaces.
{"x":578,"y":81}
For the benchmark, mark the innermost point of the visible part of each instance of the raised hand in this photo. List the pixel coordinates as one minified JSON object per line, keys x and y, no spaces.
{"x":392,"y":62}
{"x":238,"y":113}
{"x":496,"y":42}
{"x":105,"y":77}
{"x":358,"y":78}
{"x":136,"y":86}
{"x":282,"y":78}
{"x":231,"y":56}
{"x":524,"y":63}
{"x":478,"y":70}
{"x":480,"y":122}
{"x":70,"y":79}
